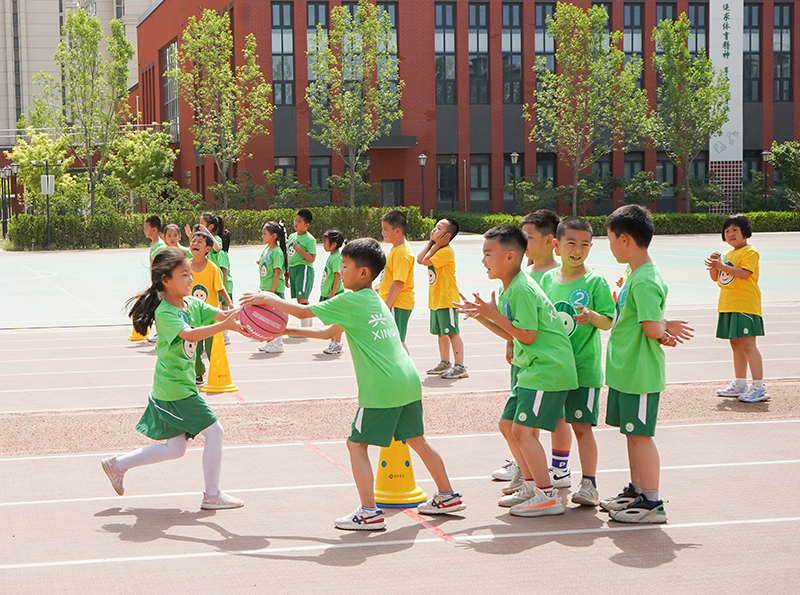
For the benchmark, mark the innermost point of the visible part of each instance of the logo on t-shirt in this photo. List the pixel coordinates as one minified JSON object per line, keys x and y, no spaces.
{"x":263,"y":270}
{"x":507,"y":310}
{"x":200,"y":292}
{"x":726,"y":278}
{"x":324,"y":276}
{"x":383,"y":274}
{"x":189,"y":349}
{"x":378,"y":320}
{"x":623,"y":294}
{"x":290,"y":250}
{"x":579,"y":297}
{"x":431,"y":275}
{"x":565,"y":315}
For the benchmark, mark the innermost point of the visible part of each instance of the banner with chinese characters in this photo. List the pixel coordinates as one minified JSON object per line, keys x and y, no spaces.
{"x":726,"y":50}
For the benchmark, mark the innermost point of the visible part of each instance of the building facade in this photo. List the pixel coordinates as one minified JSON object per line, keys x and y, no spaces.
{"x":468,"y":71}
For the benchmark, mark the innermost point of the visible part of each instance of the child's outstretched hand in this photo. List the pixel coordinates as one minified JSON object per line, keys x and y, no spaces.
{"x":188,"y":231}
{"x":714,"y":261}
{"x":583,"y":316}
{"x":679,"y":330}
{"x":476,"y":308}
{"x":620,"y":281}
{"x":254,"y":299}
{"x":232,"y":322}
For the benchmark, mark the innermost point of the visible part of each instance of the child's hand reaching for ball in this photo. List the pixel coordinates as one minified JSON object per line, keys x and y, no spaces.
{"x":262,"y":298}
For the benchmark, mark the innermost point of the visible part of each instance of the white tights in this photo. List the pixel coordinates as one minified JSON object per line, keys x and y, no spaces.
{"x":174,"y":448}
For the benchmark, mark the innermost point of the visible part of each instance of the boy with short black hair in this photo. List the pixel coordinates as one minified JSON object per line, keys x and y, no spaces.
{"x":389,"y":389}
{"x":635,"y":366}
{"x":396,"y":286}
{"x":440,"y":259}
{"x":301,"y":248}
{"x":585,"y":305}
{"x":543,"y":355}
{"x":153,"y":229}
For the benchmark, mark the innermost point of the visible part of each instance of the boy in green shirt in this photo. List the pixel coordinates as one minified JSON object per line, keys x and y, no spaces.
{"x":635,"y":367}
{"x":543,"y":355}
{"x":152,"y":229}
{"x":389,"y":389}
{"x":301,"y":249}
{"x":585,"y":305}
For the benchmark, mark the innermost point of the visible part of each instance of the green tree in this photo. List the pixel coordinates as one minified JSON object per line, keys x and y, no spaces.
{"x":355,"y":94}
{"x":643,"y":189}
{"x":693,"y":98}
{"x":533,"y":193}
{"x":230,"y":106}
{"x":591,"y":102}
{"x":785,"y":158}
{"x":89,"y":104}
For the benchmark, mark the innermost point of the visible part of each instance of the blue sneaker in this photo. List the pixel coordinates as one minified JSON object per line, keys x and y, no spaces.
{"x":733,"y":390}
{"x":442,"y":504}
{"x":361,"y":520}
{"x":755,"y":395}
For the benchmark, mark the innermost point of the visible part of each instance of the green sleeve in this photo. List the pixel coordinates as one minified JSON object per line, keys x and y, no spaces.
{"x":602,"y":298}
{"x":169,"y":323}
{"x":525,"y":309}
{"x":649,"y":300}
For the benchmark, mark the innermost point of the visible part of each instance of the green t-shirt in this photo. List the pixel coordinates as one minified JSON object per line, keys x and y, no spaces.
{"x":546,"y":364}
{"x":332,"y":266}
{"x":272,"y":260}
{"x":307,"y":242}
{"x":188,"y":251}
{"x":173,"y":378}
{"x":592,"y":291}
{"x":385,"y":374}
{"x":158,"y":246}
{"x":634,"y":363}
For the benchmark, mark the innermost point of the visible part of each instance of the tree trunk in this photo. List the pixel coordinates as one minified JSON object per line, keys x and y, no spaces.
{"x":575,"y":192}
{"x":353,"y":161}
{"x":686,"y":194}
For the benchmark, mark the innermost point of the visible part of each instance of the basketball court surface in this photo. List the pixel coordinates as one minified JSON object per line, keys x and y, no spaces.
{"x":729,"y":470}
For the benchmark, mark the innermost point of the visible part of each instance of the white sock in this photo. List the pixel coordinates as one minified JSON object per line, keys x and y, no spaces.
{"x":174,"y":448}
{"x":212,"y":457}
{"x":741,"y":382}
{"x":758,"y":383}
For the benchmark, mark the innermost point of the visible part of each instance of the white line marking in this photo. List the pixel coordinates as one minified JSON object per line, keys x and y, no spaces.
{"x":375,"y":542}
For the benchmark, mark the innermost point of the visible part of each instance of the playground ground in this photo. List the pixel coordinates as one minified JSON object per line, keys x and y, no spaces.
{"x":72,"y":386}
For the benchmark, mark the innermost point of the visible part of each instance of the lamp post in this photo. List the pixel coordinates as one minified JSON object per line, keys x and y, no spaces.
{"x":454,"y":200}
{"x":514,"y":159}
{"x":4,"y":173}
{"x":423,"y":159}
{"x":14,"y":171}
{"x":765,"y":155}
{"x":46,"y":166}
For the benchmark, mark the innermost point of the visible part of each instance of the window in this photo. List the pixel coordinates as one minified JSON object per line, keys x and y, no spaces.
{"x":511,"y":172}
{"x":665,"y":12}
{"x":391,"y":10}
{"x":445,"y":47}
{"x":751,"y":162}
{"x":479,"y":185}
{"x":632,"y":37}
{"x":602,"y":167}
{"x":546,"y":167}
{"x":752,"y":57}
{"x":120,"y":8}
{"x":282,"y":54}
{"x":317,"y":14}
{"x":782,"y":60}
{"x":512,"y":53}
{"x":170,"y":109}
{"x":633,"y":164}
{"x":320,"y":172}
{"x":446,"y":170}
{"x":697,"y":31}
{"x":286,"y":164}
{"x":665,"y":172}
{"x":544,"y":44}
{"x":479,"y":53}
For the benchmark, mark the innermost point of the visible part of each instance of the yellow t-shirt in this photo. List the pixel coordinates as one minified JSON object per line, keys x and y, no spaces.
{"x":442,"y":287}
{"x":740,"y":295}
{"x":207,"y":284}
{"x":399,"y":267}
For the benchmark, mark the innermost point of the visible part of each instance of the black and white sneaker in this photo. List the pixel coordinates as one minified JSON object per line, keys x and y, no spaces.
{"x":621,"y":500}
{"x":641,"y":510}
{"x":362,"y":520}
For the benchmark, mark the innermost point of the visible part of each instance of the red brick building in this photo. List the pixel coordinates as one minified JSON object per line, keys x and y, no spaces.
{"x":467,"y":68}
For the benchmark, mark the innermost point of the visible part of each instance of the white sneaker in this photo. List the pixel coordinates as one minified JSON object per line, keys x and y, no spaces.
{"x":114,"y":474}
{"x":561,"y":479}
{"x":525,"y":492}
{"x":587,"y":494}
{"x":441,"y":504}
{"x":221,"y":501}
{"x":272,"y":347}
{"x":333,"y":348}
{"x":263,"y":346}
{"x":733,"y":390}
{"x":153,"y":338}
{"x":361,"y":520}
{"x":754,"y":395}
{"x":515,"y":483}
{"x":507,"y":471}
{"x":539,"y":505}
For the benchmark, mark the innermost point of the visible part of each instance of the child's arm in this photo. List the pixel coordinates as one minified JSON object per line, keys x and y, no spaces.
{"x":489,"y":316}
{"x":716,"y":264}
{"x":336,"y":279}
{"x":510,"y":352}
{"x":596,"y":319}
{"x":394,"y":291}
{"x":276,"y":277}
{"x":303,"y":253}
{"x":328,"y":332}
{"x":270,"y":299}
{"x":424,"y":257}
{"x":228,"y":321}
{"x":225,"y":295}
{"x":667,"y":332}
{"x":224,"y":272}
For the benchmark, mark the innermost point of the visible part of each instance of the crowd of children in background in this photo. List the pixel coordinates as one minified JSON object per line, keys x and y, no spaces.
{"x":550,"y":314}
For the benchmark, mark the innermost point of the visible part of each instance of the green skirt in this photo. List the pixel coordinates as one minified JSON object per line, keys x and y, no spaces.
{"x":735,"y":325}
{"x":163,"y":420}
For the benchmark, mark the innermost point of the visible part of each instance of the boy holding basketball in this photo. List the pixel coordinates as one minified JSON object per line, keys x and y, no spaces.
{"x":440,"y":259}
{"x":635,"y":367}
{"x":301,"y":248}
{"x":396,"y":286}
{"x":389,"y":389}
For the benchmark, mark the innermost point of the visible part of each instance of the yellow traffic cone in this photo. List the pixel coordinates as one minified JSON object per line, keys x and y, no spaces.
{"x":395,"y":486}
{"x":219,"y":373}
{"x":136,"y":336}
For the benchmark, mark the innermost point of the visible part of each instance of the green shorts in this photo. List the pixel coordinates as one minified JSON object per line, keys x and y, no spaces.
{"x":444,"y":321}
{"x":401,"y":317}
{"x":379,"y":426}
{"x":734,"y":325}
{"x":301,"y":281}
{"x":514,"y":375}
{"x":163,"y":420}
{"x":534,"y":408}
{"x":582,"y":406}
{"x":632,"y":414}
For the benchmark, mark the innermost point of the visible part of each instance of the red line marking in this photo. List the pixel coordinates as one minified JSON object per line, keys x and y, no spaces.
{"x":410,"y":512}
{"x":236,"y":396}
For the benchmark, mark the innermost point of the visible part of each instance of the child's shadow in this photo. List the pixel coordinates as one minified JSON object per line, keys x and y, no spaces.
{"x":736,"y":406}
{"x":648,"y":547}
{"x":151,"y":524}
{"x":434,"y":381}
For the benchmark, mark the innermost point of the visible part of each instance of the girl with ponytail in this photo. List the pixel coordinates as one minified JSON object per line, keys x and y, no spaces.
{"x":175,"y":411}
{"x":272,"y":270}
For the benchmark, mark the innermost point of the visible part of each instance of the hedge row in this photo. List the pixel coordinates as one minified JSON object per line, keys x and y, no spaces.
{"x":29,"y":232}
{"x":665,"y":223}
